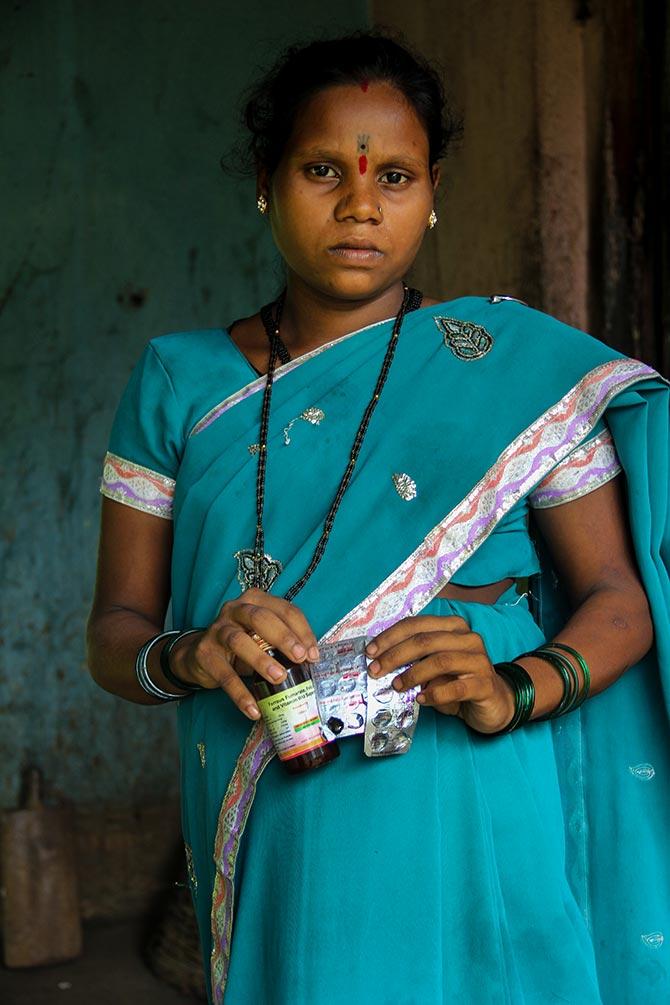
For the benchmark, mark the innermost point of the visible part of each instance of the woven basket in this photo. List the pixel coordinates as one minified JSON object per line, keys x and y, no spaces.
{"x":173,"y":948}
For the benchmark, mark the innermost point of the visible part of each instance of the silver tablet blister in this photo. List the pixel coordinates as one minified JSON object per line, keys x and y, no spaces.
{"x":391,"y":716}
{"x":351,"y":702}
{"x":340,"y":681}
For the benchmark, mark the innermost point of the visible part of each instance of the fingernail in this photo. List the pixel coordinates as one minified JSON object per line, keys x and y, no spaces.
{"x":313,"y":653}
{"x":374,"y":667}
{"x":252,"y":712}
{"x":299,"y":652}
{"x":397,"y":683}
{"x":421,"y":698}
{"x":371,"y":648}
{"x":276,"y":672}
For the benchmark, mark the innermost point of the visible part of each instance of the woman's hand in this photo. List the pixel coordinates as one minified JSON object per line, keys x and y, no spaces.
{"x":225,"y":652}
{"x":452,"y":666}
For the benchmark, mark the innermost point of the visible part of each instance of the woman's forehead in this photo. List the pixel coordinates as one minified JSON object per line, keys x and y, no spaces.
{"x":376,"y":109}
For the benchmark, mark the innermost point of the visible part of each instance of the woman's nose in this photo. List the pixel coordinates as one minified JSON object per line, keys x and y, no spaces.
{"x":359,"y":202}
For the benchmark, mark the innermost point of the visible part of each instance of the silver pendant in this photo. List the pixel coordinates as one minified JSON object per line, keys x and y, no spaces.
{"x":312,"y":415}
{"x":465,"y":339}
{"x":256,"y":570}
{"x":404,"y":486}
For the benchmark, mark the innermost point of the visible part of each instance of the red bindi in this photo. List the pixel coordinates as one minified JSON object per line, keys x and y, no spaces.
{"x":363,"y":139}
{"x":364,"y":85}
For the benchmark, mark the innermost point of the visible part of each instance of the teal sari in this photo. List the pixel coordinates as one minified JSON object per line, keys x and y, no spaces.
{"x":525,"y":868}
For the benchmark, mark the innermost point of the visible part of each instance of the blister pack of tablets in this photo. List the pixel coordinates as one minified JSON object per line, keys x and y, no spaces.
{"x":340,"y":681}
{"x":351,"y":702}
{"x":391,"y":716}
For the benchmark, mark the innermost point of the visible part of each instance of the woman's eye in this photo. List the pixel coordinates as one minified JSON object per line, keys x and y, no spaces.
{"x":394,"y":178}
{"x":322,"y":171}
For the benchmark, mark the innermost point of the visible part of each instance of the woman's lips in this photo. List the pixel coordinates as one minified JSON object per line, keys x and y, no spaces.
{"x":354,"y":253}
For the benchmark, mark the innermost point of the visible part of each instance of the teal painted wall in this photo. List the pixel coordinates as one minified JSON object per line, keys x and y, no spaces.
{"x":117,"y":225}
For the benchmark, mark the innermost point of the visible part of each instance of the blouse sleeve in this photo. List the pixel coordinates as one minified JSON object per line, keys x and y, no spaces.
{"x":585,"y":469}
{"x":145,"y":447}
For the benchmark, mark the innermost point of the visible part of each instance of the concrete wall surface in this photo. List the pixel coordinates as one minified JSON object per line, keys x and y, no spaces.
{"x":558,"y":193}
{"x":117,"y":226}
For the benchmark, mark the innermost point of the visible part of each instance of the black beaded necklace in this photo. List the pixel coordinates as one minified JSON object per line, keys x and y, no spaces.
{"x":255,"y":568}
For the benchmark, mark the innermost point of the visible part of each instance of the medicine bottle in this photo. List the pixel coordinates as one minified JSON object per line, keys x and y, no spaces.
{"x":291,"y":715}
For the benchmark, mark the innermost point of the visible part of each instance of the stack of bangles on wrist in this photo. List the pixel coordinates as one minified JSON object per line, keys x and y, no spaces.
{"x":518,"y":678}
{"x":142,"y":672}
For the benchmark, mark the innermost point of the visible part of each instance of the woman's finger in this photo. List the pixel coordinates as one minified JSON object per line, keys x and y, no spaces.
{"x":439,"y":665}
{"x":209,"y":661}
{"x":290,"y":614}
{"x":407,"y":627}
{"x":466,"y":688}
{"x":247,"y":655}
{"x":300,"y":625}
{"x":271,"y":627}
{"x":231,"y":683}
{"x":423,"y":645}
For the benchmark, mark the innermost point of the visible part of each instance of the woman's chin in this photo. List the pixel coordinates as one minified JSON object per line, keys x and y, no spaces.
{"x":358,"y":284}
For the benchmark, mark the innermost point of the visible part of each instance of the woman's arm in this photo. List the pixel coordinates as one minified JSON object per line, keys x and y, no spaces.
{"x":131,"y":599}
{"x":590,"y":544}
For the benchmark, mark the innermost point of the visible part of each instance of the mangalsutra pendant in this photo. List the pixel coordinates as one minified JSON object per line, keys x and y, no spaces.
{"x":255,"y":570}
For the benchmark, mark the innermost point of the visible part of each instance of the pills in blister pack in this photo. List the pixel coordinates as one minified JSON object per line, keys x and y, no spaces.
{"x":340,"y":681}
{"x":350,"y":702}
{"x":392,"y":716}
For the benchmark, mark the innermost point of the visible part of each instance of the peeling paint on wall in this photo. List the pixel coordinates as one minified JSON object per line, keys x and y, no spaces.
{"x":117,"y":226}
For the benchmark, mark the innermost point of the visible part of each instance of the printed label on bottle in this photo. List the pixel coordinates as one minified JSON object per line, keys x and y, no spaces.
{"x":293,"y":722}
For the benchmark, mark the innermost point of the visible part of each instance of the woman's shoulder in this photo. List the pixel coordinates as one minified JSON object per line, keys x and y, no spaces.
{"x":517,"y":328}
{"x":196,"y":344}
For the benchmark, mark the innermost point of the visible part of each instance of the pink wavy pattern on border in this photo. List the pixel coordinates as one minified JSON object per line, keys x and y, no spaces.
{"x":585,"y":469}
{"x":421,"y":575}
{"x":255,"y":756}
{"x":137,"y":486}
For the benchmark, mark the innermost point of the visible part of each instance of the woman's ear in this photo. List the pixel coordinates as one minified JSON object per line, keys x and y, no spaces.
{"x":435,"y":176}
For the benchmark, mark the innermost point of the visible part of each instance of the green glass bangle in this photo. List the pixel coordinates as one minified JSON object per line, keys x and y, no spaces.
{"x":582,"y":663}
{"x":568,"y":685}
{"x":579,"y":695}
{"x":564,"y":667}
{"x":574,"y":694}
{"x":524,"y":694}
{"x":168,"y":672}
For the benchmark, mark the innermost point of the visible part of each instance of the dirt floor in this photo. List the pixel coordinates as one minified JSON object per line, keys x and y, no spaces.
{"x":110,"y":972}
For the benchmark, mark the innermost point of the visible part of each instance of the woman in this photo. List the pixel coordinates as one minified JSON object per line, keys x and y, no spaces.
{"x":387,"y":452}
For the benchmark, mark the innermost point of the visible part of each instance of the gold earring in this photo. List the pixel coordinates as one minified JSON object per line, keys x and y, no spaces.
{"x":432,"y":219}
{"x":262,"y":204}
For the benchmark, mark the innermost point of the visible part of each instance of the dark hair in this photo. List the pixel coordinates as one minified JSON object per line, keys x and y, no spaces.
{"x":360,"y":57}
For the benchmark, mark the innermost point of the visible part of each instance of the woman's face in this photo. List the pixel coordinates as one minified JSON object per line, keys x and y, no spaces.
{"x":351,"y":197}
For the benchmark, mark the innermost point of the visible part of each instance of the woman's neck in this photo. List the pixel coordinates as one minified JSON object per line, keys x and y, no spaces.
{"x":310,"y":319}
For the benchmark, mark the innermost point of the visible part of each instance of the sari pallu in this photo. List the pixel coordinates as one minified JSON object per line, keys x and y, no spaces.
{"x":532,"y":864}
